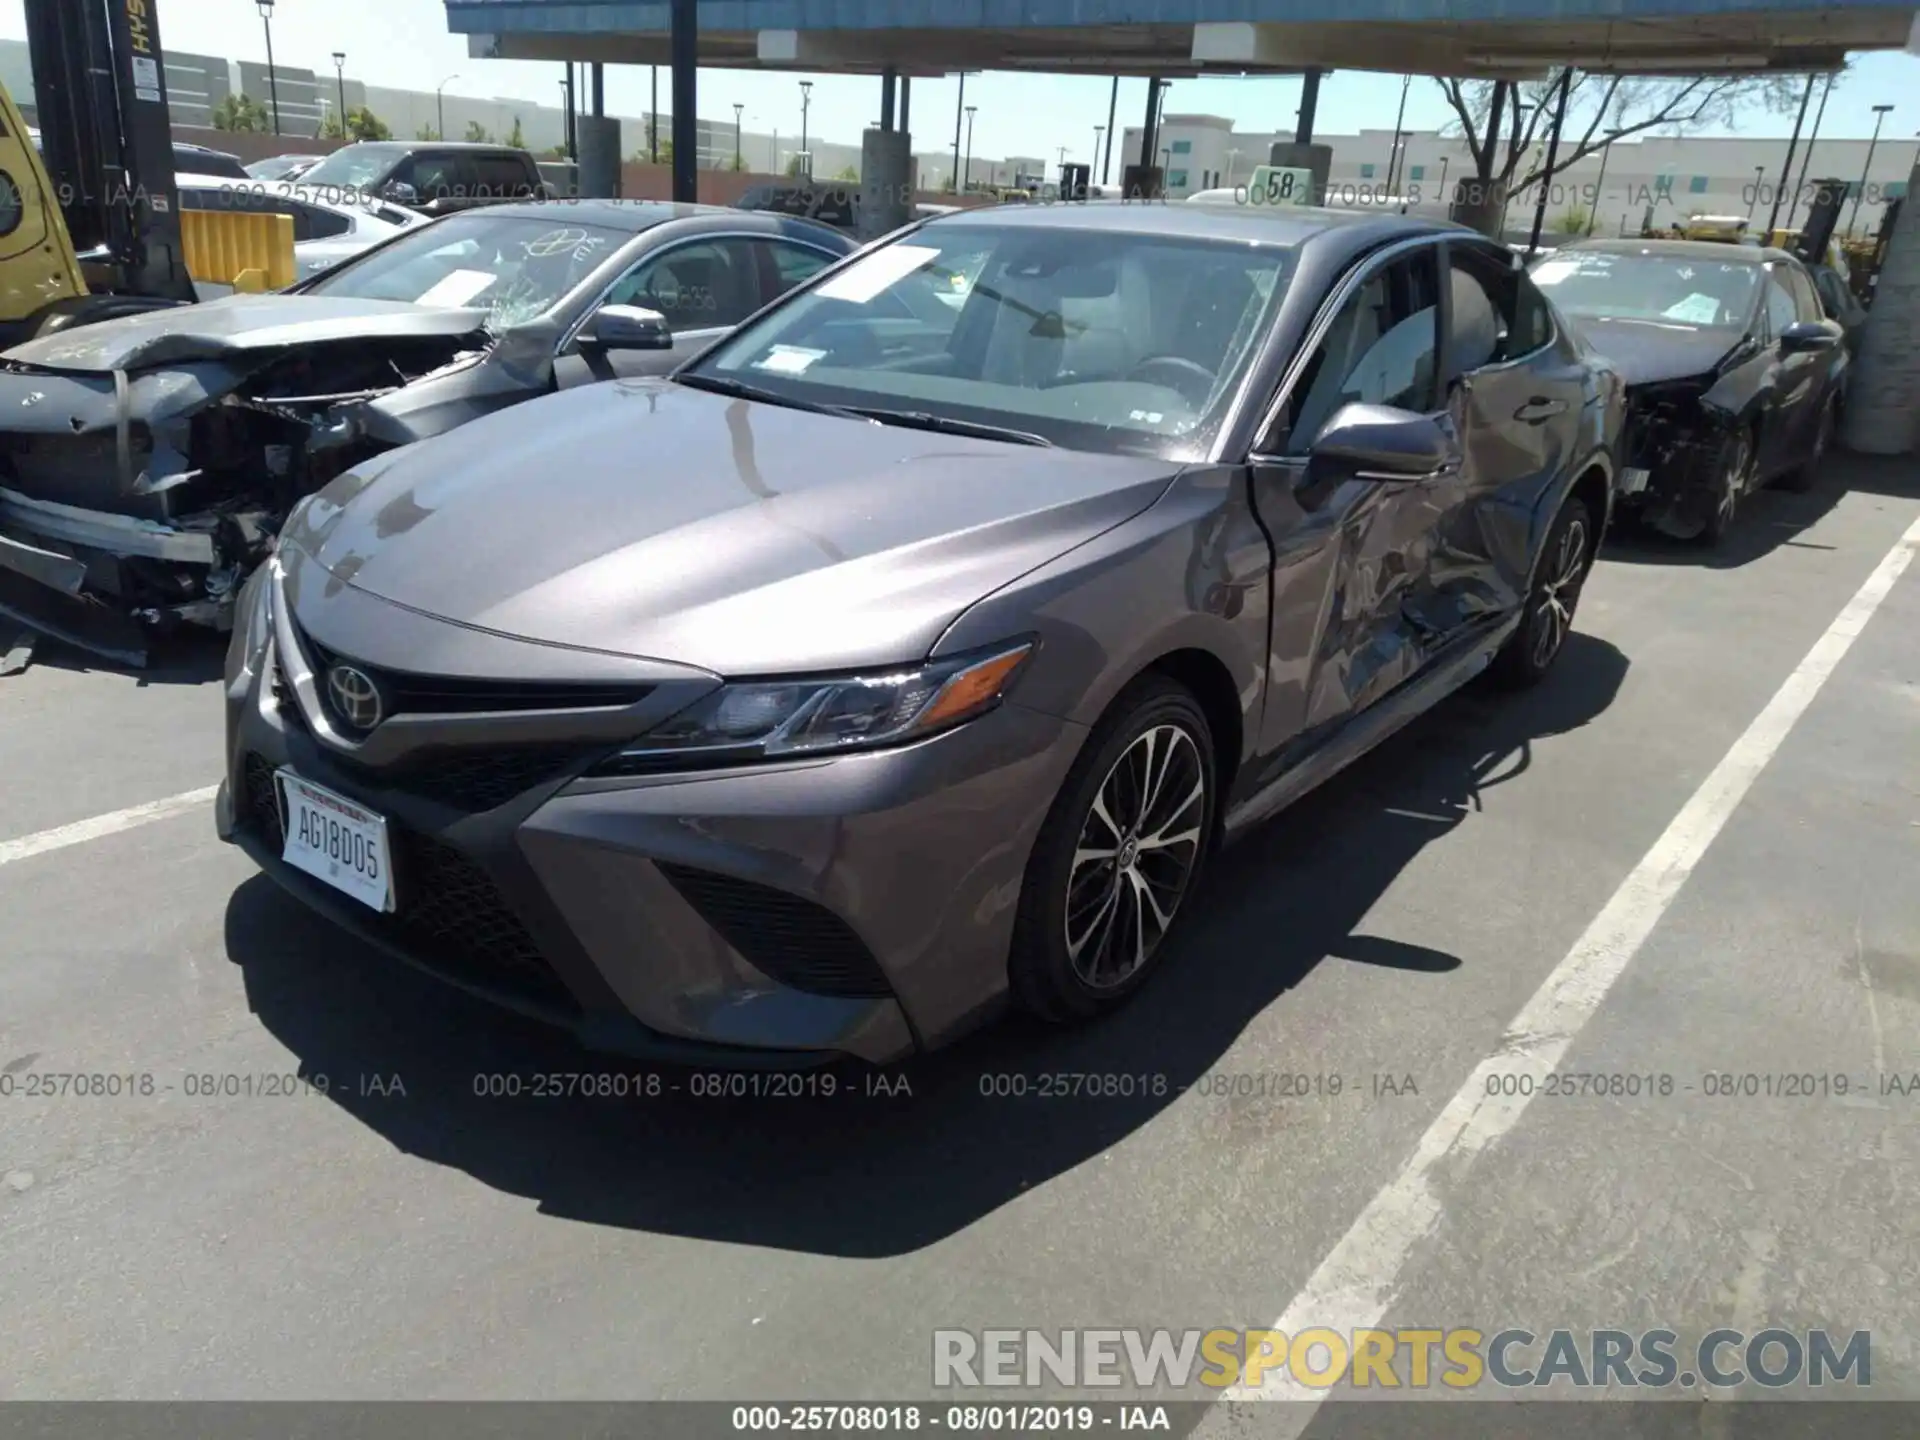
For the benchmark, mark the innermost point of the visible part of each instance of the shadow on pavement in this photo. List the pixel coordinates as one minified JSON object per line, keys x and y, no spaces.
{"x":1773,"y":517}
{"x":185,"y":658}
{"x":861,"y":1174}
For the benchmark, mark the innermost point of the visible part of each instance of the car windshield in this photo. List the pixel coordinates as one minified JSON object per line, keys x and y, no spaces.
{"x":1675,"y":289}
{"x":352,"y":168}
{"x":1089,"y":339}
{"x":514,"y":267}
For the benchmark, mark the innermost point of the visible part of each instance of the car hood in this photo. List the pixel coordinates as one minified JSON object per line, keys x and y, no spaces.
{"x":220,"y":329}
{"x":1647,"y":352}
{"x":649,"y":519}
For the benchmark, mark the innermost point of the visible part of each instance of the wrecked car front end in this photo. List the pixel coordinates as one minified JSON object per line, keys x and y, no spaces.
{"x":1676,"y":440}
{"x":145,"y":472}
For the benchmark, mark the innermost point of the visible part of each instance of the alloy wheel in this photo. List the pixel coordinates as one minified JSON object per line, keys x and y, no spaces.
{"x":1135,"y":856}
{"x":1733,"y":483}
{"x":1559,"y":591}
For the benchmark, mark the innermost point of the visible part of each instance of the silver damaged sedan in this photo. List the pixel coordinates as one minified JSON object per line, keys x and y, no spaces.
{"x":911,"y":649}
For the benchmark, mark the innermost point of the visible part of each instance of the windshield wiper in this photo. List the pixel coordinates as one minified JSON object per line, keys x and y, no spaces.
{"x":946,"y":425}
{"x":740,"y":389}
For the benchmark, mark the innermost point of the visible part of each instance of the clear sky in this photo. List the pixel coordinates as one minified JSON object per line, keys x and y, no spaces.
{"x":405,"y":44}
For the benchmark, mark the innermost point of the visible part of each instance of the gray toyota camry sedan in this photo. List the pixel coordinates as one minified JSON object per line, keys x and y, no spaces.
{"x":911,"y":649}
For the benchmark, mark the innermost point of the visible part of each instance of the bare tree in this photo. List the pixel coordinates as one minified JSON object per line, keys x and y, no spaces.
{"x":1506,"y":124}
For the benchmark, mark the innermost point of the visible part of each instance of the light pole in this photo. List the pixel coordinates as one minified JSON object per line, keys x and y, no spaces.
{"x":1879,"y":118}
{"x":959,"y":108}
{"x":1759,"y":184}
{"x":738,"y":111}
{"x":1233,"y":163}
{"x":1445,"y":198}
{"x":273,"y":85}
{"x":806,"y":99}
{"x":1600,"y":185}
{"x":1094,"y":164}
{"x":340,"y":81}
{"x":440,"y":108}
{"x":1399,"y":124}
{"x":967,"y":174}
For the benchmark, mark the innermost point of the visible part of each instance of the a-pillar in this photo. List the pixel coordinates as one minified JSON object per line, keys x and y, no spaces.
{"x":685,"y":18}
{"x":1883,"y":397}
{"x":1309,"y":102}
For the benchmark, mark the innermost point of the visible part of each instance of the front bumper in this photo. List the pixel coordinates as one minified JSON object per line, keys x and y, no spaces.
{"x":1681,"y":443}
{"x":783,"y":914}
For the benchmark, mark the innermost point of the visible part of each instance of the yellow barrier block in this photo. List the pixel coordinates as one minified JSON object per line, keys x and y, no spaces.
{"x":225,"y":245}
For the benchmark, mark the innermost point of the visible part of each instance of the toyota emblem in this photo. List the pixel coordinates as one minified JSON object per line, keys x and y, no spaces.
{"x":356,"y":699}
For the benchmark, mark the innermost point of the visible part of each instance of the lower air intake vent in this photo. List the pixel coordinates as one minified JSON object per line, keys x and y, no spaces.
{"x":799,"y":944}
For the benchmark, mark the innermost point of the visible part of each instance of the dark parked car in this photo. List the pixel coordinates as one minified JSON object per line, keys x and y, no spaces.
{"x":199,"y":160}
{"x":431,"y":176}
{"x":228,"y":412}
{"x":1735,"y":373}
{"x":896,"y":655}
{"x":835,"y":203}
{"x":283,"y":167}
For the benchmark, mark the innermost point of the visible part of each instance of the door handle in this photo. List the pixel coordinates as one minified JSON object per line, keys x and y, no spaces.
{"x":1539,"y":409}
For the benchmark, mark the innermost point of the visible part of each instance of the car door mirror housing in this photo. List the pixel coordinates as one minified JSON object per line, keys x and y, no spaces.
{"x":1377,"y":442}
{"x":400,"y":193}
{"x":627,"y":327}
{"x":1805,"y":335}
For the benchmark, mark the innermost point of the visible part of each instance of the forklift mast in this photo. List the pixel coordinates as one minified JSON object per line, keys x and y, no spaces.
{"x":100,"y":89}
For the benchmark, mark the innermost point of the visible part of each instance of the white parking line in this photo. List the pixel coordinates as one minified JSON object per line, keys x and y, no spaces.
{"x":81,"y":831}
{"x":1359,"y":1279}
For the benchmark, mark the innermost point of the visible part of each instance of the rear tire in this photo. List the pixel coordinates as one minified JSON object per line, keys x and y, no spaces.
{"x":1804,"y":477}
{"x":1118,"y":856}
{"x":1560,"y":574}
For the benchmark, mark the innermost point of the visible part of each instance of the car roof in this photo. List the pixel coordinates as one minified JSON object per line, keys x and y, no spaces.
{"x":400,"y":146}
{"x":638,"y":215}
{"x":1679,"y":249}
{"x":1289,"y":225}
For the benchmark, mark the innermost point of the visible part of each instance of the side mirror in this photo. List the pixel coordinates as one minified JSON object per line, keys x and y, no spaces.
{"x":1377,"y":442}
{"x":400,"y":193}
{"x":626,"y":327}
{"x":1806,"y":335}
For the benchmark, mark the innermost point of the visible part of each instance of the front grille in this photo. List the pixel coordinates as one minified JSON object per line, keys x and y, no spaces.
{"x":408,"y":693}
{"x":471,"y":780}
{"x":451,"y":915}
{"x":794,"y":941}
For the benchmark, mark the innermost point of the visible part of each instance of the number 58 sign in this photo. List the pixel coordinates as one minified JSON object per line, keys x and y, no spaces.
{"x":1280,"y":185}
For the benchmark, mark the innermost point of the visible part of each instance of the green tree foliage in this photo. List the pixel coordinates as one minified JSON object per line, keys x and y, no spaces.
{"x":426,"y":132}
{"x":478,"y":134}
{"x":516,"y":137}
{"x":848,"y":172}
{"x":241,"y":113}
{"x":363,"y":124}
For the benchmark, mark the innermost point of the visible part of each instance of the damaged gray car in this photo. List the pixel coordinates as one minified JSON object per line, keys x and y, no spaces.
{"x":146,"y":463}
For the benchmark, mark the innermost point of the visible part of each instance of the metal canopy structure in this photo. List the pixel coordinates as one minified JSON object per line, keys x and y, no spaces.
{"x":1491,"y":39}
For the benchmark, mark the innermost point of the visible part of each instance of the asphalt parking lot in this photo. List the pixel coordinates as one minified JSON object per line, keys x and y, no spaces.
{"x":402,"y":1237}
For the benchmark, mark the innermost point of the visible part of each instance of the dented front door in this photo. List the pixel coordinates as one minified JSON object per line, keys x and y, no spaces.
{"x":1353,"y":566}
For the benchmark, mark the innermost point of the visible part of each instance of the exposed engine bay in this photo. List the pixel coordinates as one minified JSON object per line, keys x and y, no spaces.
{"x":1679,"y":436}
{"x":137,"y":496}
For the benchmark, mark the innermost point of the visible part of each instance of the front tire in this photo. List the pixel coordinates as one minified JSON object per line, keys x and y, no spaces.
{"x":1734,"y":484}
{"x":1565,"y":561}
{"x":1120,"y":852}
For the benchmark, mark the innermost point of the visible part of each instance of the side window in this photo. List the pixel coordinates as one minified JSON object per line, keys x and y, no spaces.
{"x":435,"y":176}
{"x":1532,"y":318}
{"x":1381,"y":349}
{"x":794,"y":263}
{"x":1806,"y":300}
{"x":310,"y":222}
{"x":701,"y":285}
{"x":501,"y":177}
{"x":1780,"y":306}
{"x":1480,"y":295}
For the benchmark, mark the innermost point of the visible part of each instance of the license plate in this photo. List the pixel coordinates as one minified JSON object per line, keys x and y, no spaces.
{"x":336,"y":840}
{"x":1633,"y":481}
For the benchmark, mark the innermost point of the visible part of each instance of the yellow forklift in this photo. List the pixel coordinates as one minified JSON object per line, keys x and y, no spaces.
{"x":90,"y":222}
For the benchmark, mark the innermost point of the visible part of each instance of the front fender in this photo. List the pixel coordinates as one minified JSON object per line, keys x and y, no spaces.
{"x":1193,"y":572}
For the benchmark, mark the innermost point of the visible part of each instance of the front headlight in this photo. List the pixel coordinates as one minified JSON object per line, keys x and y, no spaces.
{"x":780,"y":719}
